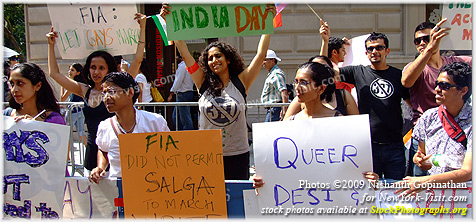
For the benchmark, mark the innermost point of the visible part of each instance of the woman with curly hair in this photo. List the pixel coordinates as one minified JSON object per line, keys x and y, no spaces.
{"x":223,"y":81}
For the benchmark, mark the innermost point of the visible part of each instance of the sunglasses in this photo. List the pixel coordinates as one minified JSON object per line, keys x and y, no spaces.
{"x":425,"y":38}
{"x":302,"y":83}
{"x":112,"y":92}
{"x":444,"y":85}
{"x":370,"y":49}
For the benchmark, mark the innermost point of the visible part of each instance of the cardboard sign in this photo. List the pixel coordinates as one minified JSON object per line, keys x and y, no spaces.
{"x":460,"y":21}
{"x":313,"y":167}
{"x":173,"y":175}
{"x":356,"y":52}
{"x":429,"y":204}
{"x":211,"y":21}
{"x":83,"y":199}
{"x":83,"y":29}
{"x":34,"y":168}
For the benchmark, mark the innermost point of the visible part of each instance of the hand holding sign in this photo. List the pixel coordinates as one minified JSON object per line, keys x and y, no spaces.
{"x":436,"y":34}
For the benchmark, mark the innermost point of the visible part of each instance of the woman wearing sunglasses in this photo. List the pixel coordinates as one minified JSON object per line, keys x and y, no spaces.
{"x":445,"y":131}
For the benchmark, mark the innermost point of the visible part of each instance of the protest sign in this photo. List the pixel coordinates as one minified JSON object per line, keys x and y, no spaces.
{"x":83,"y":29}
{"x":173,"y":174}
{"x":313,"y":167}
{"x":460,"y":21}
{"x":356,"y":52}
{"x":432,"y":203}
{"x":211,"y":21}
{"x":34,"y":168}
{"x":83,"y":199}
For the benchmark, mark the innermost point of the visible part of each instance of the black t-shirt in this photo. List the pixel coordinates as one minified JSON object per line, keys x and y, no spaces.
{"x":379,"y":93}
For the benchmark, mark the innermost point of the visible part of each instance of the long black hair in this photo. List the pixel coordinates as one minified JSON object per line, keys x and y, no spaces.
{"x":111,"y":65}
{"x":45,"y":97}
{"x":235,"y":67}
{"x":144,"y":69}
{"x":80,"y":77}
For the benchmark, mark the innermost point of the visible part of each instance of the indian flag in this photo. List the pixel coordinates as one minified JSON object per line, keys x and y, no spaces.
{"x":162,"y":26}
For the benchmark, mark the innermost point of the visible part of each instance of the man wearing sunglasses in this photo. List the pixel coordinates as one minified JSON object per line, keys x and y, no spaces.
{"x":420,"y":75}
{"x":380,"y":91}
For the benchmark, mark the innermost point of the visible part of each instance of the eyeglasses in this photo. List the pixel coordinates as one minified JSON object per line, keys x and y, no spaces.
{"x":112,"y":92}
{"x":425,"y":38}
{"x":444,"y":85}
{"x":370,"y":49}
{"x":302,"y":83}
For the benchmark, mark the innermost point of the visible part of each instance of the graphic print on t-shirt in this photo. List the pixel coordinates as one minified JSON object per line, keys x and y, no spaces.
{"x":381,"y":88}
{"x":223,"y":110}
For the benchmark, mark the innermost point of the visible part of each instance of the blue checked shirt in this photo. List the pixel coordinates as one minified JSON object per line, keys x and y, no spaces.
{"x":273,"y":85}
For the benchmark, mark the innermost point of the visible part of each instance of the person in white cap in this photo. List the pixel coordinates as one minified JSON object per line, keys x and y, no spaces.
{"x":274,"y":90}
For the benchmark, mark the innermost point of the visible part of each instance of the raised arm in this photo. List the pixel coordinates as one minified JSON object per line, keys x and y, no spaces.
{"x":249,"y":75}
{"x":325,"y":32}
{"x":53,"y":69}
{"x":198,"y":76}
{"x":414,"y":70}
{"x":139,"y":56}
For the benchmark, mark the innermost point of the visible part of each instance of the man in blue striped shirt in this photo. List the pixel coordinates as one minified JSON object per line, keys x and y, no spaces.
{"x":274,"y":90}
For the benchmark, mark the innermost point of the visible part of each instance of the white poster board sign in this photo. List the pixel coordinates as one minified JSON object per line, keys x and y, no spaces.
{"x":356,"y":52}
{"x":313,"y":168}
{"x":83,"y":29}
{"x":460,"y":21}
{"x":429,"y":204}
{"x":34,"y":168}
{"x":83,"y":199}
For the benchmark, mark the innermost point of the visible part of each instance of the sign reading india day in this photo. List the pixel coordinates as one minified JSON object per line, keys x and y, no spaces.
{"x":34,"y":168}
{"x":173,"y":175}
{"x":210,"y":21}
{"x":313,"y":167}
{"x":83,"y":29}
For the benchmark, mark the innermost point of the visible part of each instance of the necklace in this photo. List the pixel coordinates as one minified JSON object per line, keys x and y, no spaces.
{"x":122,"y":129}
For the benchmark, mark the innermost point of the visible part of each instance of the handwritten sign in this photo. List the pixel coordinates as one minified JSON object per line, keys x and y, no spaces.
{"x":83,"y":29}
{"x":173,"y":175}
{"x":313,"y":167}
{"x":211,"y":21}
{"x":429,"y":204}
{"x":83,"y":199}
{"x":35,"y":164}
{"x":460,"y":21}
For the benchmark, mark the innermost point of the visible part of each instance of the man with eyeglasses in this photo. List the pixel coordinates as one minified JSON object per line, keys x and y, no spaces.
{"x":379,"y":91}
{"x":274,"y":90}
{"x":420,"y":75}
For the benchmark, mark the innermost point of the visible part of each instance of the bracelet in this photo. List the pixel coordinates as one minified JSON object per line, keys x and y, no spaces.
{"x":141,"y":41}
{"x":192,"y":68}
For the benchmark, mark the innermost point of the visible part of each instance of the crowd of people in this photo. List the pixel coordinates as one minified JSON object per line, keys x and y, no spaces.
{"x":436,"y":87}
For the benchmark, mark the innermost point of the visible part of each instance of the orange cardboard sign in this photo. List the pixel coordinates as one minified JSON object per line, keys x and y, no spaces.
{"x":173,"y":175}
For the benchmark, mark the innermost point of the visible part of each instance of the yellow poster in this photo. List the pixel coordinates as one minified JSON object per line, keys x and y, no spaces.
{"x":173,"y":175}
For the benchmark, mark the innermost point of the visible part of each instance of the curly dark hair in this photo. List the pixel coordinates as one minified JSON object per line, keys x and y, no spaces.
{"x":111,"y":65}
{"x":321,"y":74}
{"x":235,"y":67}
{"x":45,"y":97}
{"x":123,"y":80}
{"x":461,"y":73}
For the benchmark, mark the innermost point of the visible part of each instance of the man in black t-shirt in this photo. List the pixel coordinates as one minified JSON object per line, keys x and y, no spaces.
{"x":379,"y":91}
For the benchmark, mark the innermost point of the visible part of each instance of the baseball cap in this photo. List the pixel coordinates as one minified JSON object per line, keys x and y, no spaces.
{"x":272,"y":55}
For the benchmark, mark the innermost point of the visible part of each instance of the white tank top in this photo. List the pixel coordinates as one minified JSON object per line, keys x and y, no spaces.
{"x":227,"y":113}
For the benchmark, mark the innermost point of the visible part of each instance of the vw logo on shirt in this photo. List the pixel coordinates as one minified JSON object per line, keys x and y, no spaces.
{"x":222,"y":111}
{"x":381,"y":88}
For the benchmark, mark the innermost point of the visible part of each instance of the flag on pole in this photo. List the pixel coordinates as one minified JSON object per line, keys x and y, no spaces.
{"x":161,"y":25}
{"x":277,"y":22}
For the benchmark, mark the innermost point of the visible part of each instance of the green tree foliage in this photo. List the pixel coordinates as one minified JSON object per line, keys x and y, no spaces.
{"x":14,"y":28}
